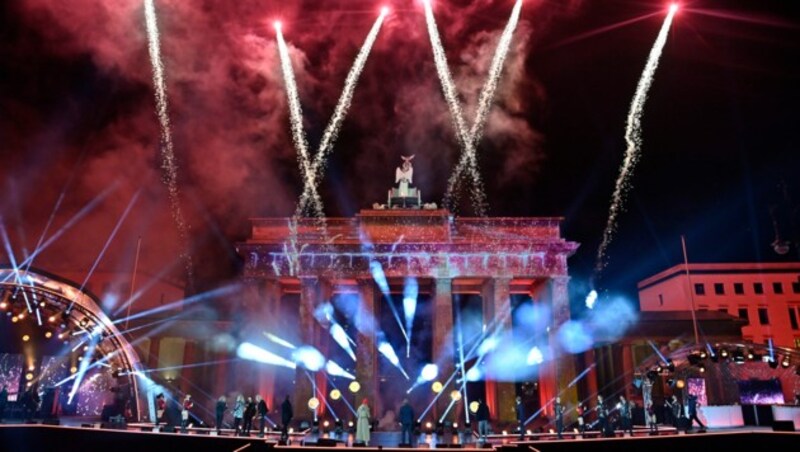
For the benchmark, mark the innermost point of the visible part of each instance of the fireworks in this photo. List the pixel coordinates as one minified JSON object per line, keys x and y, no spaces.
{"x":468,"y":161}
{"x":168,"y":162}
{"x":312,"y":172}
{"x":633,"y":139}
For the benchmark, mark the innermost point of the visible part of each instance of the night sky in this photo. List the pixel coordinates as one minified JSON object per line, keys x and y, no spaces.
{"x":720,"y":124}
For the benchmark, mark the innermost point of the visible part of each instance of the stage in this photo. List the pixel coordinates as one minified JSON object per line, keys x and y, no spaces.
{"x":37,"y":437}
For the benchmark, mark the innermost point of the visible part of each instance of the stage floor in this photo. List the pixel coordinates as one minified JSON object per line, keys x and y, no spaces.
{"x":37,"y":437}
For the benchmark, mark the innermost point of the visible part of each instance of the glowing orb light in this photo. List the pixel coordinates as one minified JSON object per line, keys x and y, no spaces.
{"x":313,"y":403}
{"x":455,"y":395}
{"x":354,"y":387}
{"x":437,"y":387}
{"x":336,"y":394}
{"x":473,"y":407}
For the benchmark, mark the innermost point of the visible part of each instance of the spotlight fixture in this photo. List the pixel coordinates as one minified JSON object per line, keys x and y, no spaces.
{"x":785,"y":363}
{"x":48,"y":334}
{"x":659,"y":369}
{"x":773,"y":364}
{"x":703,"y":354}
{"x":671,"y":366}
{"x":51,"y":319}
{"x":3,"y":305}
{"x":724,"y":353}
{"x":25,"y":338}
{"x":750,"y":354}
{"x":702,"y":368}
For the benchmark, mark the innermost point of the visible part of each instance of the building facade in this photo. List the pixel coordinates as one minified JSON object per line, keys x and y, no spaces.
{"x":765,"y":296}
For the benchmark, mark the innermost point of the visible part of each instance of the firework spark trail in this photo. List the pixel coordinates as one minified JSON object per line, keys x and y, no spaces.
{"x":296,"y":120}
{"x":335,"y":123}
{"x":168,"y":163}
{"x":468,"y":162}
{"x":633,"y":139}
{"x":456,"y":113}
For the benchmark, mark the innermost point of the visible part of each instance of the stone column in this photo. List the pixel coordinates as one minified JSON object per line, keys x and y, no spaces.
{"x":152,"y":355}
{"x":496,"y":293}
{"x":443,"y":352}
{"x":189,"y":349}
{"x":627,"y":370}
{"x":271,"y":297}
{"x":309,"y":297}
{"x":367,"y":373}
{"x":564,"y":369}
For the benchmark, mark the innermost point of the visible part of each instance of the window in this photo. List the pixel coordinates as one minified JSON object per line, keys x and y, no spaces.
{"x":797,"y":342}
{"x":758,"y":288}
{"x":744,"y":315}
{"x":763,"y":316}
{"x":793,"y":316}
{"x":660,"y":300}
{"x":738,"y":288}
{"x":699,"y":289}
{"x":719,"y":288}
{"x":777,"y":287}
{"x":702,"y":307}
{"x":723,"y":308}
{"x":795,"y":286}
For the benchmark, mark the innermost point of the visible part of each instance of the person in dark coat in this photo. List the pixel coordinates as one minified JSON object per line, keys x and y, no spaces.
{"x":482,"y":416}
{"x":3,"y":402}
{"x":286,"y":417}
{"x":692,"y":404}
{"x":406,"y":415}
{"x":261,"y":412}
{"x":559,"y":412}
{"x":249,"y":414}
{"x":520,"y":410}
{"x":222,"y":406}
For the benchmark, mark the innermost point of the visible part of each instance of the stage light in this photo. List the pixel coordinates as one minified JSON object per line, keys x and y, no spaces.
{"x":785,"y":363}
{"x":31,"y":368}
{"x":29,"y":376}
{"x":354,"y":387}
{"x":25,"y":338}
{"x":659,"y":369}
{"x":455,"y":395}
{"x":21,"y":315}
{"x":73,"y":369}
{"x":750,"y":354}
{"x":702,"y":368}
{"x":61,"y":335}
{"x":680,"y":384}
{"x":773,"y":364}
{"x":437,"y":387}
{"x":455,"y":424}
{"x":326,"y":424}
{"x":673,"y":8}
{"x":671,"y":366}
{"x":14,"y":319}
{"x":313,"y":403}
{"x":429,"y":372}
{"x":723,"y":353}
{"x":473,"y":406}
{"x":384,"y":10}
{"x":505,"y":432}
{"x":336,"y":394}
{"x":42,"y":304}
{"x":51,"y":319}
{"x":277,"y":24}
{"x":428,"y":425}
{"x":3,"y":305}
{"x":350,"y":424}
{"x":703,"y":354}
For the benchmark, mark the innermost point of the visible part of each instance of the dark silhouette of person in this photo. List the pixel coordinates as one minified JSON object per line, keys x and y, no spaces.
{"x":482,"y":416}
{"x":520,"y":409}
{"x":249,"y":414}
{"x":286,"y":417}
{"x":221,"y":407}
{"x":261,"y":412}
{"x":692,"y":405}
{"x":3,"y":401}
{"x":559,"y":411}
{"x":406,"y":415}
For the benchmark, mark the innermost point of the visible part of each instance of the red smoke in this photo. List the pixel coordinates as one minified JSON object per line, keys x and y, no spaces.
{"x":88,"y":108}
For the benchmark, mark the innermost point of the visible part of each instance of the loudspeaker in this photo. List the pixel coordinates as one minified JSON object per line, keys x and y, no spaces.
{"x":783,"y":426}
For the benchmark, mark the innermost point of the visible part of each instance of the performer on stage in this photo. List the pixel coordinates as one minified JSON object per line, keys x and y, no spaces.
{"x":520,"y":409}
{"x":625,"y":415}
{"x":581,"y":410}
{"x":674,"y":409}
{"x":693,"y":404}
{"x":602,"y":417}
{"x":222,"y":405}
{"x":362,"y":426}
{"x":161,"y":408}
{"x":187,"y":406}
{"x":650,"y":418}
{"x":286,"y":418}
{"x":238,"y":415}
{"x":249,"y":414}
{"x":4,"y":402}
{"x":406,"y":415}
{"x":482,"y":416}
{"x":261,"y":412}
{"x":559,"y":409}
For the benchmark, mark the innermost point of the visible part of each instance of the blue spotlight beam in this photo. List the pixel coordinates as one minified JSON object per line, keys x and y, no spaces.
{"x":108,"y":242}
{"x":181,"y":303}
{"x":344,"y":399}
